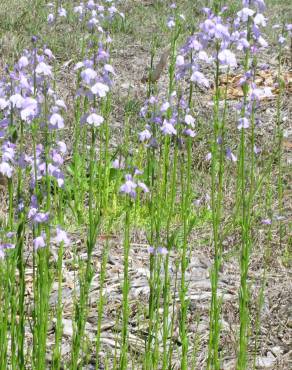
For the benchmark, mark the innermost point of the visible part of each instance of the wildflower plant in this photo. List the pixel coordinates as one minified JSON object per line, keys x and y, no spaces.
{"x":73,"y":185}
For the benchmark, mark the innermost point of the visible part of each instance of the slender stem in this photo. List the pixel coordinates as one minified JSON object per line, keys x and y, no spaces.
{"x":126,"y":287}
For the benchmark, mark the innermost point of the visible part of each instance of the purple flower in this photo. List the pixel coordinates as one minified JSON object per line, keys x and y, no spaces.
{"x":78,"y":9}
{"x":153,"y":143}
{"x":258,"y":94}
{"x":91,"y":5}
{"x":164,"y":107}
{"x":94,"y":119}
{"x":88,"y":75}
{"x":38,"y":217}
{"x":200,"y":79}
{"x":62,"y":147}
{"x":256,"y":150}
{"x":143,"y":111}
{"x":208,"y":157}
{"x":16,"y":100}
{"x":8,"y":245}
{"x":108,"y":68}
{"x":34,"y":201}
{"x":267,"y":221}
{"x":143,"y":187}
{"x":56,"y":121}
{"x":189,"y":132}
{"x":243,"y":123}
{"x":118,"y":163}
{"x":6,"y":169}
{"x":151,"y":250}
{"x":202,"y":55}
{"x":3,"y":103}
{"x":159,"y":250}
{"x":167,"y":128}
{"x":112,"y":9}
{"x":189,"y":120}
{"x":137,"y":171}
{"x":221,"y":32}
{"x":50,"y":18}
{"x":180,"y":61}
{"x":4,"y":246}
{"x":263,"y":43}
{"x":162,"y":250}
{"x":8,"y":150}
{"x":29,"y":109}
{"x":56,"y":157}
{"x":260,"y":4}
{"x":259,"y":19}
{"x":152,"y":100}
{"x":10,"y":234}
{"x":230,"y":155}
{"x":59,"y":176}
{"x":49,"y":53}
{"x":242,"y":44}
{"x":244,"y":13}
{"x":170,"y":22}
{"x":20,"y":206}
{"x":23,"y":62}
{"x":43,"y":69}
{"x":144,"y":135}
{"x":39,"y":242}
{"x":24,"y":160}
{"x":281,"y":40}
{"x":129,"y":187}
{"x":62,"y":12}
{"x":194,"y":44}
{"x":61,"y":237}
{"x":226,"y":57}
{"x":289,"y":29}
{"x":100,"y":89}
{"x":78,"y":66}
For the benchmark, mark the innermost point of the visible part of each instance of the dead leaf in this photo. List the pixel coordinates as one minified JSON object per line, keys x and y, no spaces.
{"x":263,"y":79}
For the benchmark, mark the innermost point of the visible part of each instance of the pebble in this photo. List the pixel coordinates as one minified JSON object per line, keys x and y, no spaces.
{"x":265,"y":362}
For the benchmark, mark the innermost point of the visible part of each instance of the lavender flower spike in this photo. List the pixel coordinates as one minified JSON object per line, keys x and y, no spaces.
{"x":129,"y":187}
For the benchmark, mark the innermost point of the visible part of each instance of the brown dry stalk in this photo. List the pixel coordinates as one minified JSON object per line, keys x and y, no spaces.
{"x":159,"y":68}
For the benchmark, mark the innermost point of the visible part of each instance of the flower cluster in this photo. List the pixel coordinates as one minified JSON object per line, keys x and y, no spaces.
{"x":214,"y":44}
{"x":95,"y":75}
{"x":8,"y":159}
{"x":220,"y":37}
{"x":131,"y":185}
{"x":93,"y":13}
{"x":50,"y":166}
{"x":31,"y":108}
{"x":7,"y":244}
{"x":61,"y":237}
{"x":169,"y":118}
{"x":25,"y":89}
{"x":28,"y":99}
{"x":158,"y":251}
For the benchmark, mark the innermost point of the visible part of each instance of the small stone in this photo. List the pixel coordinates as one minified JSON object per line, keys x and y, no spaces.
{"x":126,"y":86}
{"x":265,"y":362}
{"x":277,"y":351}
